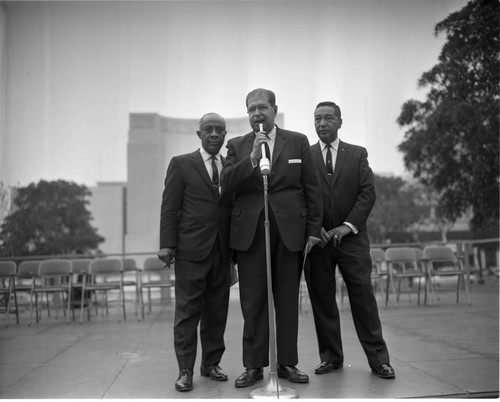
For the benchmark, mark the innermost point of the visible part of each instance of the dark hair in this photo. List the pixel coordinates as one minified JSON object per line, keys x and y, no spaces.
{"x":335,"y":107}
{"x":271,"y":97}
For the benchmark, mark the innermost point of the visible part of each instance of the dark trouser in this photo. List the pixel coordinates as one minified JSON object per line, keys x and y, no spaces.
{"x":252,"y":273}
{"x":355,"y":268}
{"x":201,"y":296}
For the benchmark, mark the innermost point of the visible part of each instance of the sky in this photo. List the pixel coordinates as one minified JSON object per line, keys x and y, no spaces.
{"x":73,"y":71}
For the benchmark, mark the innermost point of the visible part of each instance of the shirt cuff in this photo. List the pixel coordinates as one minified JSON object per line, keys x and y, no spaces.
{"x":353,"y":228}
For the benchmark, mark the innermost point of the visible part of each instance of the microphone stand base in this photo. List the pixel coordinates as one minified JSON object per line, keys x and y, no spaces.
{"x":273,"y":390}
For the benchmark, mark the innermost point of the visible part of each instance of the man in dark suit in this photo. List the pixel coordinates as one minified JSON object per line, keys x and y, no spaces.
{"x":194,"y":229}
{"x":294,"y":219}
{"x":348,"y":197}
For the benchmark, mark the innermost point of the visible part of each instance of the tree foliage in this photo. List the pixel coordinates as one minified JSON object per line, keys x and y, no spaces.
{"x":400,"y":207}
{"x":452,"y":138}
{"x":49,"y":218}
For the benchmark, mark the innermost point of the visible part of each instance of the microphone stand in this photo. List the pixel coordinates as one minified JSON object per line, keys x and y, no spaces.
{"x":273,"y":388}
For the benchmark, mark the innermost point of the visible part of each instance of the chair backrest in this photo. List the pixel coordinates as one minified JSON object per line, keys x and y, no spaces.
{"x":129,"y":264}
{"x":439,"y":253}
{"x":153,"y":264}
{"x":7,"y":268}
{"x":402,"y":258}
{"x":377,"y":255}
{"x":419,"y":253}
{"x":28,"y":269}
{"x":378,"y":261}
{"x":81,"y":265}
{"x":106,"y":266}
{"x":54,"y":267}
{"x":400,"y":254}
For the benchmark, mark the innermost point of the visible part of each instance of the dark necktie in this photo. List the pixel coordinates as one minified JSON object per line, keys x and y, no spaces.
{"x":215,"y":173}
{"x":268,"y":151}
{"x":329,"y":165}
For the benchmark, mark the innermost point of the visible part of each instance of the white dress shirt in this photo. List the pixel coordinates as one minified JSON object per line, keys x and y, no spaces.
{"x":271,"y":141}
{"x":335,"y":147}
{"x":207,"y":158}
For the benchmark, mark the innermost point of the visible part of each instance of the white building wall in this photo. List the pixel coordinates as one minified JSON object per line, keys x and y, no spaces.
{"x":107,"y":208}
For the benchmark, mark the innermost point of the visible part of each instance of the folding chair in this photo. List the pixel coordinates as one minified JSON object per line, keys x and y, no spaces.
{"x":105,"y":275}
{"x":155,"y":275}
{"x":130,"y":267}
{"x":54,"y":279}
{"x":379,"y":271}
{"x":441,"y":261}
{"x":8,"y":288}
{"x":81,"y":269}
{"x":26,"y":277}
{"x":403,"y":265}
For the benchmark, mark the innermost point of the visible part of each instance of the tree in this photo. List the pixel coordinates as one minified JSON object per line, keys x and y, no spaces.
{"x":5,"y":201}
{"x":452,"y":138}
{"x":400,"y":207}
{"x":49,"y":218}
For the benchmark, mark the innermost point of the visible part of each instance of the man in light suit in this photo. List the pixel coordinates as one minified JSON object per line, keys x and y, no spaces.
{"x":348,"y":194}
{"x":194,"y":229}
{"x":295,"y":219}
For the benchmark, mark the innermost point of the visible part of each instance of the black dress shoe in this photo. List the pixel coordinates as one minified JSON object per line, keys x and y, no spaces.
{"x":292,"y":374}
{"x":384,"y":371}
{"x":327,"y":367}
{"x":214,"y":372}
{"x":185,"y":380}
{"x":249,"y":377}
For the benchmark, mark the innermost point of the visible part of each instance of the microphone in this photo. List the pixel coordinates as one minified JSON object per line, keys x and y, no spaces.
{"x":265,"y":166}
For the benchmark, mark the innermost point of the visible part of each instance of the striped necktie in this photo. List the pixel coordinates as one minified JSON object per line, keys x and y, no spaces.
{"x":329,"y":164}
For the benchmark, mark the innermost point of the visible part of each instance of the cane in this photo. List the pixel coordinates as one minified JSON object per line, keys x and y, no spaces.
{"x":273,"y":388}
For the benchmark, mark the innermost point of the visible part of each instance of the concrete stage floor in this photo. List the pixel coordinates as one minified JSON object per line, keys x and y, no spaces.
{"x":447,"y":351}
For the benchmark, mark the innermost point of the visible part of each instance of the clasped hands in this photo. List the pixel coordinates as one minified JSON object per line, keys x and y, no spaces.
{"x":335,"y":235}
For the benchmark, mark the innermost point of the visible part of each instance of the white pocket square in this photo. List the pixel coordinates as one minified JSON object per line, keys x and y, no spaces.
{"x":294,"y":161}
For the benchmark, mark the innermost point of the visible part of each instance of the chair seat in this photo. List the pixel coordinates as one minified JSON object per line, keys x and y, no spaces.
{"x":97,"y":280}
{"x":8,"y":289}
{"x":441,"y":261}
{"x":403,"y":263}
{"x":50,"y":271}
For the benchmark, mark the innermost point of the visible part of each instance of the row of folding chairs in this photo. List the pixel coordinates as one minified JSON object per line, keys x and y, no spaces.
{"x":80,"y":284}
{"x":398,"y":268}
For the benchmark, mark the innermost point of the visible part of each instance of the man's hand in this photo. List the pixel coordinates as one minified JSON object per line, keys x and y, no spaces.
{"x":256,"y":155}
{"x":325,"y":237}
{"x":167,"y":255}
{"x":337,"y":233}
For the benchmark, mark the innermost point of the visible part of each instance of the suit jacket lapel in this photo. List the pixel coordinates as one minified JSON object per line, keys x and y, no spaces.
{"x":320,"y":162}
{"x":279,"y":143}
{"x":199,"y":164}
{"x":341,"y":154}
{"x":250,"y":138}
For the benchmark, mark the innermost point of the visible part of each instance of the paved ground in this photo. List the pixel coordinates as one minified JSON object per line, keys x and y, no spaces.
{"x":445,"y":351}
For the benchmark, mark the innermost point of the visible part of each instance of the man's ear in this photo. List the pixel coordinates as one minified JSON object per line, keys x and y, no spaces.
{"x":199,"y":134}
